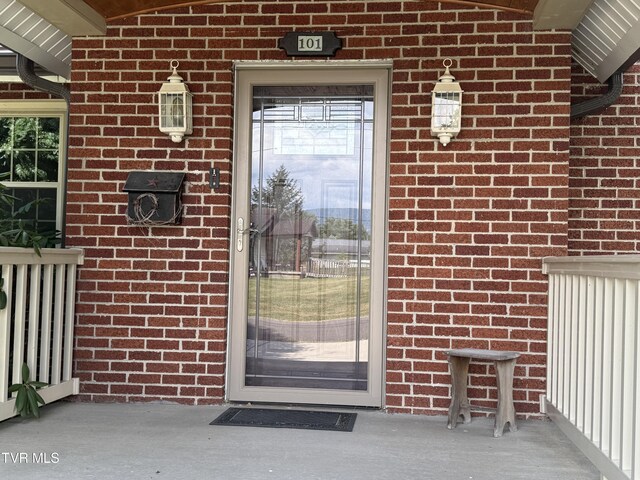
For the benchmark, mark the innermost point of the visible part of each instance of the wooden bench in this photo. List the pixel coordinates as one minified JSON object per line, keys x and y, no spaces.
{"x":504,"y":365}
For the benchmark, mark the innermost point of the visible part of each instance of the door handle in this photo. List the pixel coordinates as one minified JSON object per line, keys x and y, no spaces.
{"x":239,"y":234}
{"x":240,"y":231}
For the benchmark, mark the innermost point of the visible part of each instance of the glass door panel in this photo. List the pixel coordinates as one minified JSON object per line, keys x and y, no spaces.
{"x":309,"y":289}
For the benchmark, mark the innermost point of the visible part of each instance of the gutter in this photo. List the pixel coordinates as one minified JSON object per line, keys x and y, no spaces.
{"x":598,"y":104}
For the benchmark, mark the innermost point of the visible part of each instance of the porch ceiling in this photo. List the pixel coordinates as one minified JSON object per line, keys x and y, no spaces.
{"x":606,"y":32}
{"x":112,"y":9}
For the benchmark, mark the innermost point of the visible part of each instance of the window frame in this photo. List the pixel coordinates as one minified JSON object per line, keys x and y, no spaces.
{"x":44,"y":108}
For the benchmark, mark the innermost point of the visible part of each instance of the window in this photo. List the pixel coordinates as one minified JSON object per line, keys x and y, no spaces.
{"x":32,"y":156}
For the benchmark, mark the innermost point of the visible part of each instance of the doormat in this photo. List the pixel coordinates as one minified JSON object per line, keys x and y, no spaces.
{"x":282,"y":418}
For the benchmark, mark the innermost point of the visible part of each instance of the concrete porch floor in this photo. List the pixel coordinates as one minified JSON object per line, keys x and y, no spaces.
{"x":157,"y":441}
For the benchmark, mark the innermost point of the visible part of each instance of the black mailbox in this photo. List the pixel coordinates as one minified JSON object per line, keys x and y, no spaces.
{"x":154,"y":197}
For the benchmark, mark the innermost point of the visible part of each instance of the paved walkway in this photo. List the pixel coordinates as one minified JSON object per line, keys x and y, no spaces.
{"x":156,"y":441}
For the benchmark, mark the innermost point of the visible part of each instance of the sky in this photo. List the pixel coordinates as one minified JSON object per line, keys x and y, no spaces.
{"x":323,"y":158}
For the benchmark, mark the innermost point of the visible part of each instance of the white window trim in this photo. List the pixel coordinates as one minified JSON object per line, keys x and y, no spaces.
{"x":44,"y":108}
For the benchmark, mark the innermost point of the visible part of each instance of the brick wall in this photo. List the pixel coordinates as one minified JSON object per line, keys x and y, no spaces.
{"x":468,"y":224}
{"x":604,"y":208}
{"x":20,"y":91}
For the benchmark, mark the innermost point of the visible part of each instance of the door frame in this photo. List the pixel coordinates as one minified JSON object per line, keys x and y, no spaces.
{"x":250,"y":74}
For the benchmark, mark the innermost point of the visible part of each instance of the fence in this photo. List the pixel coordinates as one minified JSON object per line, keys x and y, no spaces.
{"x":36,"y":326}
{"x":593,"y":374}
{"x":327,"y":268}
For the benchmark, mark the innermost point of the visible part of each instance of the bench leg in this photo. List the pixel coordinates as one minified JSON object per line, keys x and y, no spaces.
{"x":459,"y":402}
{"x":506,"y":412}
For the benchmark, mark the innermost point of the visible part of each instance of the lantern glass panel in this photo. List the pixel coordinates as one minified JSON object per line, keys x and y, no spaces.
{"x":446,"y":110}
{"x":172,"y":111}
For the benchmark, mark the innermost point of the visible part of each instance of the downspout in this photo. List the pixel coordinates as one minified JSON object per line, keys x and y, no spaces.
{"x":596,"y":105}
{"x":26,"y":71}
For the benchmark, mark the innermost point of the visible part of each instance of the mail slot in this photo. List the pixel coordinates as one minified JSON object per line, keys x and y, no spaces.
{"x":154,"y":197}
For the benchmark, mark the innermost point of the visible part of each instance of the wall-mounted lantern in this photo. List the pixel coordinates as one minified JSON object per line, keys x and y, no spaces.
{"x":446,"y":106}
{"x":175,"y":106}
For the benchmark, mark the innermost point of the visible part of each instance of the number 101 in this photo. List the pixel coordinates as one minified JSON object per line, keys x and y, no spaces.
{"x":309,"y":43}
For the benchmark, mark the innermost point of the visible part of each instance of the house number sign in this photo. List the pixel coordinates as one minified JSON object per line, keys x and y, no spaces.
{"x":310,"y":44}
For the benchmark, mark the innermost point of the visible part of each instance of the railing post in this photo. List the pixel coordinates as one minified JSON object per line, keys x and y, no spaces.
{"x":5,"y":333}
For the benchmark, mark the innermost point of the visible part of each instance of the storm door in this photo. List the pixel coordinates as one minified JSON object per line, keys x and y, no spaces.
{"x":308,"y":233}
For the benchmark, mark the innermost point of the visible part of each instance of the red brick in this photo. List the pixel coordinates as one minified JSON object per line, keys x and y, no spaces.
{"x":451,"y":209}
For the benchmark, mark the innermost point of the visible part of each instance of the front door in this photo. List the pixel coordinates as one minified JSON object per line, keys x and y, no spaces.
{"x":308,"y":234}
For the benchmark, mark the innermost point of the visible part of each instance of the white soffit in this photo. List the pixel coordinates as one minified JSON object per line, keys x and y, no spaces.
{"x":27,"y":33}
{"x":608,"y":37}
{"x":74,"y":17}
{"x":559,"y":14}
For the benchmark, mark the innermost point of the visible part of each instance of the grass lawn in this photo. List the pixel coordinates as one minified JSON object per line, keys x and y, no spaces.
{"x":308,"y":299}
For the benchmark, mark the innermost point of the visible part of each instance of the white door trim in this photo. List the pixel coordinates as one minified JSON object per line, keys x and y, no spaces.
{"x":249,"y":74}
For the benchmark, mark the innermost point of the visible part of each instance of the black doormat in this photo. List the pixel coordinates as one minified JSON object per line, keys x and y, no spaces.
{"x":282,"y":418}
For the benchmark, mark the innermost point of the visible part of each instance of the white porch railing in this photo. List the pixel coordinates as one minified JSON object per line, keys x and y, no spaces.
{"x":37,"y":324}
{"x":593,"y":370}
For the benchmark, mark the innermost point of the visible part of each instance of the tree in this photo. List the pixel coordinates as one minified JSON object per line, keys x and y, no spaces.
{"x":18,"y":228}
{"x":280,"y":201}
{"x":29,"y":148}
{"x":342,"y":228}
{"x":280,"y":193}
